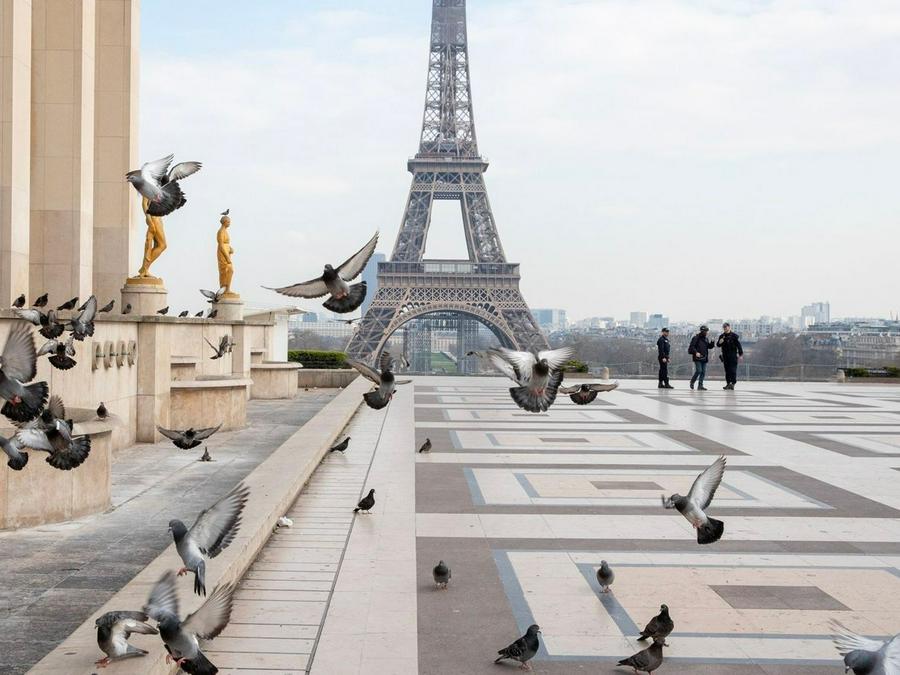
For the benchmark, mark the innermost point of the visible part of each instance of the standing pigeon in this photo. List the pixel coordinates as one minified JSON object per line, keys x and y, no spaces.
{"x":181,"y":638}
{"x":213,"y":296}
{"x":82,"y":325}
{"x":190,"y":438}
{"x":605,"y":576}
{"x":366,"y":503}
{"x":127,"y":309}
{"x":41,"y":301}
{"x":206,"y":457}
{"x":212,"y":532}
{"x":159,"y":184}
{"x":102,"y":412}
{"x":865,"y":656}
{"x":113,"y":631}
{"x":68,"y":305}
{"x":340,"y":447}
{"x":163,"y":311}
{"x":646,"y":660}
{"x":582,"y":394}
{"x":199,"y":314}
{"x":523,"y":649}
{"x":225,"y":212}
{"x":18,"y":365}
{"x":212,"y":314}
{"x":16,"y":459}
{"x":61,"y":353}
{"x":659,"y":627}
{"x":426,"y":446}
{"x":693,"y":507}
{"x":344,"y":298}
{"x":19,"y":302}
{"x":183,"y":314}
{"x":441,"y":574}
{"x":108,"y":307}
{"x":385,"y":380}
{"x":49,"y":327}
{"x":51,"y":433}
{"x":538,"y":375}
{"x":221,"y":350}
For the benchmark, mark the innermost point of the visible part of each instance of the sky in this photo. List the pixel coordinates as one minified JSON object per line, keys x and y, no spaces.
{"x":698,"y":158}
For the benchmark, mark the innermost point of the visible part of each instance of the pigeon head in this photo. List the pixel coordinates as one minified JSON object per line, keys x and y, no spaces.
{"x":133,"y":177}
{"x":585,"y":388}
{"x":371,"y":492}
{"x":533,"y":628}
{"x":603,"y":564}
{"x":860,"y":661}
{"x":329,"y":274}
{"x":542,"y":367}
{"x":664,"y":609}
{"x":177,"y":528}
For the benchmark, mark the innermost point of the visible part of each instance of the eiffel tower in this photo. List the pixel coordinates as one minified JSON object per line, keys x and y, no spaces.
{"x":447,"y":166}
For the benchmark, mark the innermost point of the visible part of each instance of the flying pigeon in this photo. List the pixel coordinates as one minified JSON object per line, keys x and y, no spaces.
{"x":68,"y":305}
{"x":189,"y":438}
{"x":16,"y":459}
{"x":366,"y":503}
{"x":19,"y":302}
{"x":426,"y":446}
{"x":61,"y":353}
{"x":865,"y":656}
{"x":441,"y":574}
{"x":221,"y":350}
{"x":206,"y":457}
{"x":50,"y":432}
{"x":344,"y":298}
{"x":49,"y":327}
{"x":183,"y":314}
{"x":102,"y":412}
{"x":163,"y":311}
{"x":605,"y":576}
{"x":127,"y":309}
{"x":659,"y":627}
{"x":213,"y":296}
{"x":212,"y":314}
{"x":159,"y":184}
{"x":82,"y":325}
{"x":108,"y":307}
{"x":41,"y":301}
{"x":692,"y":507}
{"x":225,"y":212}
{"x":212,"y":532}
{"x":199,"y":314}
{"x":113,"y":631}
{"x":181,"y":638}
{"x":18,"y":365}
{"x":523,"y":649}
{"x":385,"y":380}
{"x":340,"y":447}
{"x":646,"y":660}
{"x":349,"y":321}
{"x":582,"y":394}
{"x":538,"y":375}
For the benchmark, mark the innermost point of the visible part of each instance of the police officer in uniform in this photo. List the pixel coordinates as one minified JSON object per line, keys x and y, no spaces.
{"x":732,"y":352}
{"x":663,"y":348}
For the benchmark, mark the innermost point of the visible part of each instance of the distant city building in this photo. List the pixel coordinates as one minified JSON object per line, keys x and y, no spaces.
{"x":370,"y":276}
{"x":657,"y":321}
{"x":859,"y":341}
{"x":815,"y":313}
{"x":638,"y":319}
{"x":550,"y":320}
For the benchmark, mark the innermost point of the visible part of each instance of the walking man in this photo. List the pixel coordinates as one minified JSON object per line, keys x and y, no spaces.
{"x":663,"y":348}
{"x":732,"y":352}
{"x":699,"y":350}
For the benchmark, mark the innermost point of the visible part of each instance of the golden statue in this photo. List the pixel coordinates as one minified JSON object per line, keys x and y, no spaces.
{"x":224,"y":251}
{"x":154,"y":244}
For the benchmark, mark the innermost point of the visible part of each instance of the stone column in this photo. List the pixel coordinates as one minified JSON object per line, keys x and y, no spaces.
{"x":154,"y":354}
{"x":116,"y":204}
{"x":15,"y":147}
{"x":62,"y":148}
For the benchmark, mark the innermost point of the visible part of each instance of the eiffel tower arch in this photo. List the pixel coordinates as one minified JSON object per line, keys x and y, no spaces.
{"x":448,"y":166}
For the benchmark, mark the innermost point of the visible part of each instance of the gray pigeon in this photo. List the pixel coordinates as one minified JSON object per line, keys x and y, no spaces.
{"x":198,"y":314}
{"x":426,"y":446}
{"x":163,"y":311}
{"x":61,"y":353}
{"x":70,"y":304}
{"x":182,"y":638}
{"x":605,"y":576}
{"x":126,"y":309}
{"x":212,"y":532}
{"x":41,"y":301}
{"x":366,"y":503}
{"x":225,"y":212}
{"x":159,"y":184}
{"x":206,"y":457}
{"x":49,"y":327}
{"x":866,"y":656}
{"x":213,"y":296}
{"x":219,"y":351}
{"x":646,"y":660}
{"x":108,"y":307}
{"x":51,"y":433}
{"x":344,"y":298}
{"x":82,"y":326}
{"x":693,"y":507}
{"x":18,"y":365}
{"x":441,"y":574}
{"x":659,"y":627}
{"x":582,"y":394}
{"x":523,"y":649}
{"x":385,"y":380}
{"x":538,"y":375}
{"x":102,"y":412}
{"x":113,"y":631}
{"x":16,"y":459}
{"x":20,"y":301}
{"x":213,"y":313}
{"x":183,"y":314}
{"x":340,"y":447}
{"x":189,"y":438}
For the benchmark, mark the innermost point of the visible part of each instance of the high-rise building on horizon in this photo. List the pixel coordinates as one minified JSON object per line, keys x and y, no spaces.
{"x":370,"y":276}
{"x":550,"y":320}
{"x":638,"y":319}
{"x":657,"y":321}
{"x":816,"y":313}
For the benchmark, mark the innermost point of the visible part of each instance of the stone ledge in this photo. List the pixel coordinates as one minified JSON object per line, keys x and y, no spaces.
{"x":274,"y":486}
{"x":211,"y":383}
{"x":276,"y":365}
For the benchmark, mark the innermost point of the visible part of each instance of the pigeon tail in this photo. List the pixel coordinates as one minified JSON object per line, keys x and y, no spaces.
{"x":72,"y":457}
{"x":18,"y":463}
{"x":171,"y":199}
{"x":353,"y":299}
{"x":62,"y":361}
{"x":375,"y":400}
{"x":711,"y":532}
{"x":186,"y":445}
{"x":32,"y":403}
{"x":200,"y":579}
{"x":356,"y":510}
{"x":199,"y":665}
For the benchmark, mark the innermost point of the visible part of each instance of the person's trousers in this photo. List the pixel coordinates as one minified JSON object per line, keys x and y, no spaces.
{"x":731,"y":366}
{"x":699,"y":372}
{"x":663,"y":372}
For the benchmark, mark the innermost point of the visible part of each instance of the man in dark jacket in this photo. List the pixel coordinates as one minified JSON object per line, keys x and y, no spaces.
{"x":732,"y":352}
{"x":663,"y":348}
{"x":699,"y":350}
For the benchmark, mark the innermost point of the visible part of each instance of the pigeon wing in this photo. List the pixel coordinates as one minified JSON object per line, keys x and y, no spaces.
{"x":56,"y":407}
{"x":163,"y":597}
{"x":158,"y":168}
{"x":212,"y":616}
{"x":499,"y":362}
{"x":386,"y":362}
{"x":32,"y":315}
{"x":171,"y":434}
{"x":366,"y":371}
{"x":353,"y":266}
{"x":208,"y":294}
{"x":90,"y":311}
{"x":706,"y":484}
{"x":19,"y":360}
{"x":556,"y":358}
{"x":217,"y":526}
{"x":183,"y":170}
{"x":891,"y":656}
{"x":605,"y":386}
{"x":574,"y":389}
{"x":846,"y":640}
{"x":125,"y":623}
{"x":48,"y":348}
{"x":523,"y":362}
{"x":202,"y":434}
{"x":212,"y":346}
{"x":314,"y":288}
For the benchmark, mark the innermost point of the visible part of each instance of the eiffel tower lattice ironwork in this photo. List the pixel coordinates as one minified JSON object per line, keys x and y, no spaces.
{"x":447,"y":166}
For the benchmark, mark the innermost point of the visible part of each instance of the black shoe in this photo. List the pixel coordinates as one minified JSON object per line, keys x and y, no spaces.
{"x":692,"y":384}
{"x":728,"y":386}
{"x":661,"y":386}
{"x":669,"y":386}
{"x":701,"y":388}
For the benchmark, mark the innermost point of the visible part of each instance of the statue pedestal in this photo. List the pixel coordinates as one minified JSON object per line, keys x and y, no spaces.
{"x":146,"y":295}
{"x":231,"y":308}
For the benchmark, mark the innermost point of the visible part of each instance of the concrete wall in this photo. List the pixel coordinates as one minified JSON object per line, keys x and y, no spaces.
{"x":324,"y":378}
